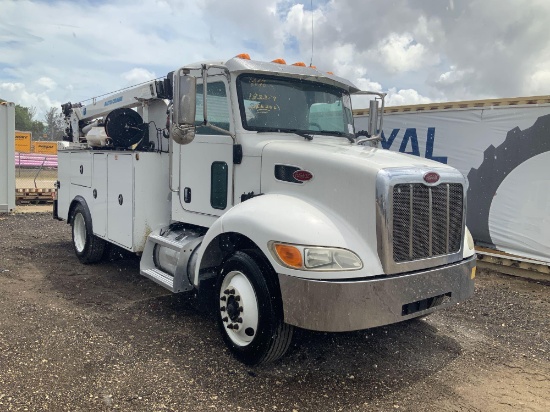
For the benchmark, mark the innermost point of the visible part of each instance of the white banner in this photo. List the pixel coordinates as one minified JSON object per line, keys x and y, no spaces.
{"x":505,"y":153}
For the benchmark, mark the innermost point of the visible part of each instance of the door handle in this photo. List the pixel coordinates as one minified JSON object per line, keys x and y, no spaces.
{"x":187,"y":195}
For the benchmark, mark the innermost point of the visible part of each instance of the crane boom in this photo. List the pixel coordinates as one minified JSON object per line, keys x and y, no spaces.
{"x":82,"y":118}
{"x":129,"y":98}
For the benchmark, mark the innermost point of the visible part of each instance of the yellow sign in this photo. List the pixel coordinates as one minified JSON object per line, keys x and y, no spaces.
{"x":22,"y":142}
{"x":45,"y":147}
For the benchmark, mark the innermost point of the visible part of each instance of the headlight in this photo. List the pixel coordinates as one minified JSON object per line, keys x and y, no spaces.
{"x":315,"y":258}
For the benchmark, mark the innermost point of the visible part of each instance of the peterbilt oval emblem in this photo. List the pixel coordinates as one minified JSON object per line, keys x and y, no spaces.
{"x":431,"y":177}
{"x":302,"y":175}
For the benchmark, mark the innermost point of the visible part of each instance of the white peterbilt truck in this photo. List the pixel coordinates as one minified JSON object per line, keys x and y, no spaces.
{"x":249,"y":175}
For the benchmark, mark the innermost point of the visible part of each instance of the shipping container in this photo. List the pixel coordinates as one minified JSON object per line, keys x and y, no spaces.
{"x":503,"y":147}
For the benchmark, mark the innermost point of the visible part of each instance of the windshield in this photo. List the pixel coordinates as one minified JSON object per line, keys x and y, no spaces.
{"x":270,"y":103}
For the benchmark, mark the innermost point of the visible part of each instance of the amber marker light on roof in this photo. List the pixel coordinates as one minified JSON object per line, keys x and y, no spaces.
{"x":279,"y":61}
{"x":330,"y":73}
{"x":311,"y":66}
{"x":245,"y":56}
{"x":289,"y":255}
{"x":301,"y":64}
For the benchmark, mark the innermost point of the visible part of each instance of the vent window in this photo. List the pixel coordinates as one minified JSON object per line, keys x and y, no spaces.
{"x":218,"y":185}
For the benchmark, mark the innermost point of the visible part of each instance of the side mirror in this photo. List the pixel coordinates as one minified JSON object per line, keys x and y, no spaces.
{"x":373,"y":117}
{"x":185,"y":95}
{"x":183,"y":117}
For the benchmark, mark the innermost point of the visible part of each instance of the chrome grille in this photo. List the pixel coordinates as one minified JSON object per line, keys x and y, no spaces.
{"x":427,"y":220}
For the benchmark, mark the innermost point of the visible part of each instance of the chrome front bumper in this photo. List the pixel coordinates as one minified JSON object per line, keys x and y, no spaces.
{"x":339,"y":306}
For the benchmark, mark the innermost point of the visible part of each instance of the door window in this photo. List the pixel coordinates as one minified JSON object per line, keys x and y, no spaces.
{"x":217,"y":106}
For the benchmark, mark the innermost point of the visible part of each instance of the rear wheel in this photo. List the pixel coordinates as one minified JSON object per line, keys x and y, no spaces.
{"x":250,"y":310}
{"x":88,"y":247}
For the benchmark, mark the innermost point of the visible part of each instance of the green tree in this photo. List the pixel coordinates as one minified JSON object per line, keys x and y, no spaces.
{"x":54,"y":124}
{"x":24,"y":121}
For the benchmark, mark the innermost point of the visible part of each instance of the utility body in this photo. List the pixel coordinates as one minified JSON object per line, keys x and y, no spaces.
{"x":250,"y":175}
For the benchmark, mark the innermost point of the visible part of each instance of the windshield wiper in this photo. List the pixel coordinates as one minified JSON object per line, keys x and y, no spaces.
{"x":304,"y":135}
{"x":282,"y":130}
{"x":308,"y":134}
{"x":336,"y":133}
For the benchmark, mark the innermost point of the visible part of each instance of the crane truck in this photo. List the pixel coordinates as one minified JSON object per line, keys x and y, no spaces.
{"x":249,"y":176}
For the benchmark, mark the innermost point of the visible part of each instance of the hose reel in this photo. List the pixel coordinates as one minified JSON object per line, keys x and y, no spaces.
{"x":125,"y":127}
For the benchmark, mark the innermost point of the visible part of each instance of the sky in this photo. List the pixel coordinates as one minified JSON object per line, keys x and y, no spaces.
{"x":417,"y":51}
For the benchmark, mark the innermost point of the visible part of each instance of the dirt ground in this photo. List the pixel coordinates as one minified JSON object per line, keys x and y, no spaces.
{"x":102,"y":337}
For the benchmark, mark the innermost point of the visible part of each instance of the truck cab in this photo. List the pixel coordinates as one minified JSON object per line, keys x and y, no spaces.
{"x":251,"y":175}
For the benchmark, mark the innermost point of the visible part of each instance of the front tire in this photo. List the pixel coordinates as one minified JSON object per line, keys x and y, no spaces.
{"x":250,"y":309}
{"x":88,"y":247}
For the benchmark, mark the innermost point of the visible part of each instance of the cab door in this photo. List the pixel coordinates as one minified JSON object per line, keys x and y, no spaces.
{"x":206,"y":167}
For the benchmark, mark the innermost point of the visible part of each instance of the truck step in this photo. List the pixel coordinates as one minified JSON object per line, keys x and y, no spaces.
{"x":160,"y":277}
{"x":172,"y":244}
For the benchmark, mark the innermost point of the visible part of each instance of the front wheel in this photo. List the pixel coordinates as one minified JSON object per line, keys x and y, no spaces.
{"x":88,"y":247}
{"x":250,"y":309}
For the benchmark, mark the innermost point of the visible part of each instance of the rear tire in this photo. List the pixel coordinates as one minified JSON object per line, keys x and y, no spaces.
{"x":88,"y":247}
{"x":250,"y":314}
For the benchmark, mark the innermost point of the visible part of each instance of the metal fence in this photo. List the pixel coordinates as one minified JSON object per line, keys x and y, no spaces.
{"x":35,"y":177}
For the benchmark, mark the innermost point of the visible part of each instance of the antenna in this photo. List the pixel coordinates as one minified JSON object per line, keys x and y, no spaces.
{"x":311,"y":61}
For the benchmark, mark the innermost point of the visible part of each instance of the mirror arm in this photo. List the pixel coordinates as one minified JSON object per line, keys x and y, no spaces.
{"x":204,"y":69}
{"x":363,"y":92}
{"x":382,"y":113}
{"x":219,"y":129}
{"x":382,"y":97}
{"x":204,"y":92}
{"x":377,"y":138}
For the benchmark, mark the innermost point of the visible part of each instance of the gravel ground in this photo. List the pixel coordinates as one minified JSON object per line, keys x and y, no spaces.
{"x":101,"y":337}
